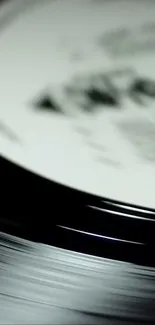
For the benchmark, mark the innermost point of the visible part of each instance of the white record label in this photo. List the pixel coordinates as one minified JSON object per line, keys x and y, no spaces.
{"x":77,"y":101}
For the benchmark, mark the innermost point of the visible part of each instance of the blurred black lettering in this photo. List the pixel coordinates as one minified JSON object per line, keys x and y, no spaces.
{"x":141,"y":88}
{"x":95,"y":91}
{"x":98,"y":97}
{"x":102,"y":91}
{"x":48,"y":104}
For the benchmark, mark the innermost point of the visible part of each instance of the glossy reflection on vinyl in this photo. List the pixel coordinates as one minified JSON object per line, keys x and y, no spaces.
{"x":77,"y":104}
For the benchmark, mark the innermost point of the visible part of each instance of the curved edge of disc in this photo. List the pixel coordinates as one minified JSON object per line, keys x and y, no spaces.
{"x":43,"y":211}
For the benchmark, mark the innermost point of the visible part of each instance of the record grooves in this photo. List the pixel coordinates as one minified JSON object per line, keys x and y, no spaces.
{"x":77,"y":161}
{"x":37,"y":209}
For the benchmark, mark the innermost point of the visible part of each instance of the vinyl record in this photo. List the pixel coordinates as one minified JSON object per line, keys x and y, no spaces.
{"x":77,"y":218}
{"x":47,"y":285}
{"x":77,"y":123}
{"x":77,"y":94}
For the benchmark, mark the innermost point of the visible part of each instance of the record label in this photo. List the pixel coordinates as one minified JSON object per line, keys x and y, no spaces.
{"x":77,"y":102}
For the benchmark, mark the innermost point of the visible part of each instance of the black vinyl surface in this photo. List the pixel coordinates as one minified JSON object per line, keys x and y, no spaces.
{"x":40,"y":210}
{"x":52,"y":284}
